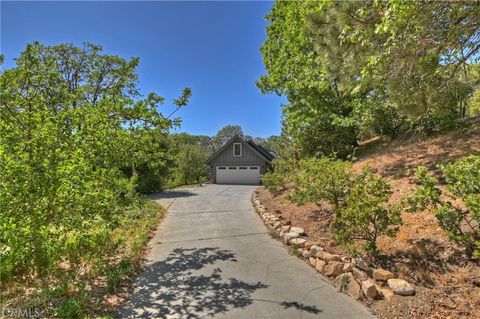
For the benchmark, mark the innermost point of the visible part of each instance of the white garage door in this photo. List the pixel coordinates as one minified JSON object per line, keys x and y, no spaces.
{"x":238,"y":175}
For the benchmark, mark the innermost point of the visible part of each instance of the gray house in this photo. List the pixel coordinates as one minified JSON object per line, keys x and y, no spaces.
{"x":239,"y":161}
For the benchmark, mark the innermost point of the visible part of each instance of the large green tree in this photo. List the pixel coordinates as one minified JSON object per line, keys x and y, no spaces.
{"x":191,"y":151}
{"x":70,"y":119}
{"x":351,"y":69}
{"x":225,"y":134}
{"x":318,"y":111}
{"x":415,"y":54}
{"x":190,"y":164}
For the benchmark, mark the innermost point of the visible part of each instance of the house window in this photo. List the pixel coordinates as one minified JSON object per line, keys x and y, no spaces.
{"x":237,"y":149}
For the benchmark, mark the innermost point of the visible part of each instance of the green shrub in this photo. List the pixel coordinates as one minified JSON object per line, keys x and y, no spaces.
{"x":115,"y":274}
{"x":63,"y":150}
{"x":281,"y":174}
{"x":321,"y":179}
{"x":473,"y":103}
{"x":89,"y":243}
{"x":367,"y":214}
{"x":273,"y":181}
{"x":360,"y":202}
{"x":432,"y":123}
{"x":71,"y":308}
{"x":296,"y":251}
{"x":378,"y":118}
{"x":462,"y":178}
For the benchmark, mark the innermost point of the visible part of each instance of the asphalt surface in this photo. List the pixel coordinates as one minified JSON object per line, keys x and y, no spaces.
{"x":212,"y":257}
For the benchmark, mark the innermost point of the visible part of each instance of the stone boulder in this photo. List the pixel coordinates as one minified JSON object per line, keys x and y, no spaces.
{"x":346,"y":259}
{"x":320,"y":265}
{"x":385,"y":292}
{"x":400,"y":287}
{"x":333,"y":268}
{"x":289,"y":236}
{"x":369,"y":289}
{"x":299,"y":242}
{"x":347,"y":267}
{"x":359,"y":275}
{"x":298,"y":230}
{"x":314,"y":250}
{"x":309,"y":244}
{"x":382,"y":274}
{"x":346,"y":283}
{"x":285,"y":229}
{"x":327,"y":256}
{"x":360,"y":263}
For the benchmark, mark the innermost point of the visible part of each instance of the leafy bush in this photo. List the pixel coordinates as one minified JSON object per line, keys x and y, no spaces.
{"x":71,"y":308}
{"x":277,"y":179}
{"x":473,"y":103}
{"x":360,"y":202}
{"x":115,"y":274}
{"x":462,"y":178}
{"x":367,"y":214}
{"x":322,"y":136}
{"x":66,"y":136}
{"x":273,"y":181}
{"x":321,"y":179}
{"x":378,"y":118}
{"x":432,"y":123}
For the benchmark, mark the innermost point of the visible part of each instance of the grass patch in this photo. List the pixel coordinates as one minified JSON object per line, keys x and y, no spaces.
{"x":187,"y":186}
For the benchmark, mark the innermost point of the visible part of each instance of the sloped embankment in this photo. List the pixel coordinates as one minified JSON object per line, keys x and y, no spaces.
{"x":447,"y":284}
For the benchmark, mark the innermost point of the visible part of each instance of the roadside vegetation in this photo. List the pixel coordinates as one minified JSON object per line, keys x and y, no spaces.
{"x":76,"y":142}
{"x":371,"y":83}
{"x":80,"y":147}
{"x":352,"y":70}
{"x":349,"y":72}
{"x":361,"y":201}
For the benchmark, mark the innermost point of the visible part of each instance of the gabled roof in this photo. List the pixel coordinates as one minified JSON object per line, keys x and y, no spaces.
{"x":250,"y":144}
{"x":261,"y":149}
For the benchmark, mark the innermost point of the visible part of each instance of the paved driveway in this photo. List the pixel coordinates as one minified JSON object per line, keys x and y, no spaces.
{"x":212,"y":257}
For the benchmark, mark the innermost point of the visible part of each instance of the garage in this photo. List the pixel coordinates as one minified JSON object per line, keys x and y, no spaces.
{"x":239,"y":161}
{"x":238,"y":175}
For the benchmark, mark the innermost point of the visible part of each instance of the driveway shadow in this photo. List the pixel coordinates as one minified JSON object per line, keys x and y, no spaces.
{"x":171,"y":288}
{"x":172,"y":194}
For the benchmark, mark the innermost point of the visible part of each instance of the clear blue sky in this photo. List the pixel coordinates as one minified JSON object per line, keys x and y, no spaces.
{"x":212,"y":47}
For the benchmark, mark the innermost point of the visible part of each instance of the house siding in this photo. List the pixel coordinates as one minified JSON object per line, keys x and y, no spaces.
{"x":226,"y":158}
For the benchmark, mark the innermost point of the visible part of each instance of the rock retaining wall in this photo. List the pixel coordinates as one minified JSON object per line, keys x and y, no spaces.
{"x":353,"y":276}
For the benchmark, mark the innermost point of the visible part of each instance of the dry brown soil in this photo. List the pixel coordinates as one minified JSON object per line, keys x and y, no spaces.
{"x":447,"y":282}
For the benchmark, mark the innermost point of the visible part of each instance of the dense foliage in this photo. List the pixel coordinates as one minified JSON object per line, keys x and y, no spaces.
{"x":462,"y":223}
{"x":321,"y":179}
{"x":359,"y":201}
{"x":191,"y":153}
{"x":225,"y":134}
{"x":353,"y":69}
{"x":277,"y":179}
{"x":75,"y":134}
{"x":366,"y":214}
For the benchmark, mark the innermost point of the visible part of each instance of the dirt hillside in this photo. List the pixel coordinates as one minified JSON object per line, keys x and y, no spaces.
{"x":447,"y":283}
